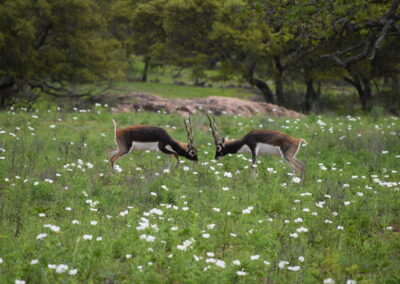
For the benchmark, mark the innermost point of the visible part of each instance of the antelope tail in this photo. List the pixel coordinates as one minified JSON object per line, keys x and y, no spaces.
{"x":115,"y":132}
{"x":113,"y":152}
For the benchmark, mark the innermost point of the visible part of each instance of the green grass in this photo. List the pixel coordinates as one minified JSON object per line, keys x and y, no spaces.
{"x":162,"y":81}
{"x":169,"y":90}
{"x":51,"y":173}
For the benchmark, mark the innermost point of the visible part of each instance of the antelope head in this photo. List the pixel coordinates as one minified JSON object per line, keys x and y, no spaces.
{"x":191,"y":147}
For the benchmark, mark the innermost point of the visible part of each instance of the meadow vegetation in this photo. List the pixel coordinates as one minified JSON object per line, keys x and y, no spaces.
{"x":65,"y":218}
{"x":171,"y":90}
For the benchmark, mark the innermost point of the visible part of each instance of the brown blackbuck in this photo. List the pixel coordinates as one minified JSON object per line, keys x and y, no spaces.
{"x":144,"y":137}
{"x":260,"y":142}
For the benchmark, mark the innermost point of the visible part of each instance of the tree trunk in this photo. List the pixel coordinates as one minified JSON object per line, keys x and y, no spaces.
{"x":260,"y":85}
{"x":264,"y":89}
{"x":280,"y":96}
{"x":318,"y":93}
{"x":367,"y":93}
{"x":6,"y":94}
{"x":310,"y":95}
{"x":362,"y":95}
{"x":363,"y":87}
{"x":145,"y":69}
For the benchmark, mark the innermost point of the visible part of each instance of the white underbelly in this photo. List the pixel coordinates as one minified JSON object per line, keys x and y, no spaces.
{"x":266,"y":149}
{"x":138,"y":146}
{"x":244,"y":149}
{"x":262,"y":149}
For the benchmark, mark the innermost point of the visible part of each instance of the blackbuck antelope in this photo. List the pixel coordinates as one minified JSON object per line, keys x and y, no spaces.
{"x":144,"y":137}
{"x":260,"y":142}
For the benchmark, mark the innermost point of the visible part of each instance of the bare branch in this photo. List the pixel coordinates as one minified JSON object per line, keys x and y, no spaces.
{"x":380,"y":38}
{"x":380,"y":29}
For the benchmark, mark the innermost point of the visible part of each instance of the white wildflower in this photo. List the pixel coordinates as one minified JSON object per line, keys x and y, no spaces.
{"x":282,"y":264}
{"x":61,"y":268}
{"x":41,"y":236}
{"x":293,"y":268}
{"x":220,"y":263}
{"x":247,"y":210}
{"x":296,"y":180}
{"x":236,"y":262}
{"x":156,"y":211}
{"x":210,"y":226}
{"x":73,"y":272}
{"x":301,"y":230}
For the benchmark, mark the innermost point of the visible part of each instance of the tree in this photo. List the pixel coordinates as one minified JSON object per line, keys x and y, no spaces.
{"x":50,"y":44}
{"x":355,"y":31}
{"x":140,"y":26}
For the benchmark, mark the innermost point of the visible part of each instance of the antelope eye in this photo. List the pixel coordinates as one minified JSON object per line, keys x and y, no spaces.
{"x":192,"y":152}
{"x":219,"y":148}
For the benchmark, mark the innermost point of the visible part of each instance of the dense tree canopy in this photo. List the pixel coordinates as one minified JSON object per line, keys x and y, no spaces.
{"x":269,"y":44}
{"x":49,"y":44}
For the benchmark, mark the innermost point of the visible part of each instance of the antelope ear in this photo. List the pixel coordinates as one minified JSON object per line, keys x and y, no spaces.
{"x":223,"y":140}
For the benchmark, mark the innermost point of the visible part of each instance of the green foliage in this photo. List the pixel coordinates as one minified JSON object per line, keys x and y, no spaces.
{"x":54,"y":162}
{"x":275,"y":46}
{"x":169,"y":90}
{"x":47,"y":42}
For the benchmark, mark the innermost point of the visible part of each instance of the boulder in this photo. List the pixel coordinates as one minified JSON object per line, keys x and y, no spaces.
{"x":186,"y":107}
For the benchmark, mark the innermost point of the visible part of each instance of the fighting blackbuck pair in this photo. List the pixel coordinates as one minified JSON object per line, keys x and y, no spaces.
{"x":256,"y":142}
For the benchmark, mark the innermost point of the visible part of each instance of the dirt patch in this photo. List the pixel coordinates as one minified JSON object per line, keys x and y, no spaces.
{"x":185,"y":107}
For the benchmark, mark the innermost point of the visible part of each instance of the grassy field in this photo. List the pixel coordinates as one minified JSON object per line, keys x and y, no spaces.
{"x":163,"y":82}
{"x":65,"y":218}
{"x":170,"y":90}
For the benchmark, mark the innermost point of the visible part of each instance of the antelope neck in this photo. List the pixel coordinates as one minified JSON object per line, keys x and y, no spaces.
{"x":232,"y":146}
{"x":178,"y":147}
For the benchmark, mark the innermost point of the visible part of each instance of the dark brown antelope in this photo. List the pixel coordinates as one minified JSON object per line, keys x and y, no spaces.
{"x":260,"y":142}
{"x":144,"y":137}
